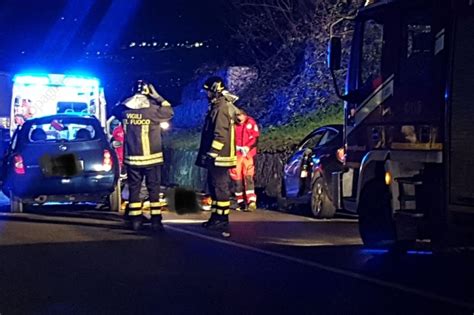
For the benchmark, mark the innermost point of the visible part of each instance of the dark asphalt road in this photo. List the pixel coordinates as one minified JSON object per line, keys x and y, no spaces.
{"x":85,"y":262}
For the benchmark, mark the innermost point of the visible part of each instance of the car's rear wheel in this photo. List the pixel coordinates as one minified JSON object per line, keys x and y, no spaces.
{"x":16,"y":204}
{"x":321,"y":205}
{"x":115,"y":198}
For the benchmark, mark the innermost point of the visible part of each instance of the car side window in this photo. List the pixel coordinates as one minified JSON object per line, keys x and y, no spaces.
{"x":328,"y":137}
{"x":314,"y":140}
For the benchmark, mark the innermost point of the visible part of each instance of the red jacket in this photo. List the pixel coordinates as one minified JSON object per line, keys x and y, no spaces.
{"x":246,"y":135}
{"x":118,"y":135}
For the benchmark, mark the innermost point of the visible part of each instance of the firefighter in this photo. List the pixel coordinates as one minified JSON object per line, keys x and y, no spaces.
{"x":247,"y":134}
{"x":141,"y":116}
{"x":217,"y":153}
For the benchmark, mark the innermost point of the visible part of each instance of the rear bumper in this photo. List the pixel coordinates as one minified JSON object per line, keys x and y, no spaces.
{"x":85,"y":185}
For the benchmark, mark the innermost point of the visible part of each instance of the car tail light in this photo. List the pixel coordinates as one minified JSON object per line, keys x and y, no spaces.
{"x":107,"y":162}
{"x":19,"y":165}
{"x":341,"y":155}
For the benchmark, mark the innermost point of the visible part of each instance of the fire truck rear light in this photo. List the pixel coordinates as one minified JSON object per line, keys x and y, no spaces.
{"x":388,"y":178}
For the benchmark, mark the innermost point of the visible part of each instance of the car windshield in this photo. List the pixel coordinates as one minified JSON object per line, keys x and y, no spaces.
{"x":63,"y":130}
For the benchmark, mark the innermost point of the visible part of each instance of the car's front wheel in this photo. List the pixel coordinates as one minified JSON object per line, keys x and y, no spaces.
{"x":115,"y":198}
{"x":16,"y":204}
{"x":321,"y":205}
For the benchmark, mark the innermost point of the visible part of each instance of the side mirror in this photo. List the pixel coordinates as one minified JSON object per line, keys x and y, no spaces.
{"x":116,"y":144}
{"x":334,"y":53}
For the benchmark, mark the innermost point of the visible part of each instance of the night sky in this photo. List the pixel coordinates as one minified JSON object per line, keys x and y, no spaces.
{"x":116,"y":40}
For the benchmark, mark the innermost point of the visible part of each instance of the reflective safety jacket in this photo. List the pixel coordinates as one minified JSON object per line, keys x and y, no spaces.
{"x":119,"y":135}
{"x":141,"y":117}
{"x":247,"y":134}
{"x":218,"y":136}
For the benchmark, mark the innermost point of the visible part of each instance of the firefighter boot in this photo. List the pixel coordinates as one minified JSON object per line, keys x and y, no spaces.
{"x":156,"y":224}
{"x":136,"y":223}
{"x":211,"y":220}
{"x":252,"y":206}
{"x":221,"y":225}
{"x":241,"y":206}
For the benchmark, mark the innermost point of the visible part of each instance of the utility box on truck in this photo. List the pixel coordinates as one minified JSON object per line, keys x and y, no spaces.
{"x":409,"y":117}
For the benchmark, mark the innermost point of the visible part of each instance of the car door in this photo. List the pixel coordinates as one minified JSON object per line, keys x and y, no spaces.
{"x":292,"y":171}
{"x":324,"y":159}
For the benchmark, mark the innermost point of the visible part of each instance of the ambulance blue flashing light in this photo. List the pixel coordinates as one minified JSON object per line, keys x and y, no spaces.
{"x":31,"y":80}
{"x":72,"y":81}
{"x":81,"y":82}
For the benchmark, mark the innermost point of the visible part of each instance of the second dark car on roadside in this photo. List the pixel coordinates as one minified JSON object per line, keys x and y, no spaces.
{"x":308,"y":172}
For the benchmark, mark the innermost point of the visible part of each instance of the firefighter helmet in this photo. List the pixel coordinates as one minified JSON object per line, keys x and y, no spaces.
{"x":141,"y":87}
{"x":214,"y":84}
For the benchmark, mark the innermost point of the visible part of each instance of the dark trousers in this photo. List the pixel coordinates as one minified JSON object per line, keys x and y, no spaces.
{"x":218,"y":182}
{"x":152,"y":175}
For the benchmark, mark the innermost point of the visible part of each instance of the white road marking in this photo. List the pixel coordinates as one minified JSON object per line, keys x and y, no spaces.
{"x":350,"y":274}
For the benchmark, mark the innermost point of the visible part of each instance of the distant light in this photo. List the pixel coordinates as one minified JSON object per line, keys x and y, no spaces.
{"x":419,"y":252}
{"x":196,"y":45}
{"x":98,"y":53}
{"x":165,"y":125}
{"x":31,"y":79}
{"x":166,"y":44}
{"x":155,"y":44}
{"x":62,"y":18}
{"x":144,"y":44}
{"x":133,"y":44}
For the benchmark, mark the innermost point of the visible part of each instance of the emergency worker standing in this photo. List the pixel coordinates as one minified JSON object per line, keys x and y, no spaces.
{"x":141,"y":116}
{"x":247,"y":134}
{"x":217,"y":153}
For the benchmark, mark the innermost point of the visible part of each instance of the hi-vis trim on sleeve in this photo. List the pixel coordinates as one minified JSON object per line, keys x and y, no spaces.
{"x":158,"y":204}
{"x":217,"y":145}
{"x":165,"y":104}
{"x":232,"y":141}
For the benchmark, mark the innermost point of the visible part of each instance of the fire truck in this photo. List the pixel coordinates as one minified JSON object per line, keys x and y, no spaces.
{"x":24,"y":96}
{"x":409,"y":119}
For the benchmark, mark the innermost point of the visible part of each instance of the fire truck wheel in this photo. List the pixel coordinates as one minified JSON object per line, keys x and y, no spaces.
{"x":321,"y":205}
{"x":376,"y":224}
{"x":16,"y":205}
{"x":115,"y":199}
